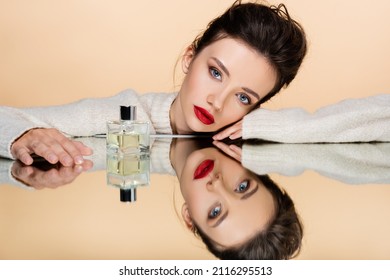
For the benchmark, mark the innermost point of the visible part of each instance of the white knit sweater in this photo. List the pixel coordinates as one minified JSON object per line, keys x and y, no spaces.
{"x":353,"y":120}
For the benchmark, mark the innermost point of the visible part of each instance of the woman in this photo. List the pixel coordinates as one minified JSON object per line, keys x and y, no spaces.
{"x":243,"y":58}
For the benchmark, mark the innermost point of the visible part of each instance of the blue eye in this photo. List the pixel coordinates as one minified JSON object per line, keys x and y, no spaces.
{"x":243,"y":98}
{"x":243,"y":186}
{"x":215,"y":212}
{"x":215,"y":73}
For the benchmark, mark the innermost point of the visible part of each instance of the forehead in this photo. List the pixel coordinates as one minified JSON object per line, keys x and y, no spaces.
{"x":246,"y":219}
{"x":228,"y":45}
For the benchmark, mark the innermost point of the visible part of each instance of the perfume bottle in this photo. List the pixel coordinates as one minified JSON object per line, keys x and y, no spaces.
{"x":128,"y":172}
{"x":128,"y":135}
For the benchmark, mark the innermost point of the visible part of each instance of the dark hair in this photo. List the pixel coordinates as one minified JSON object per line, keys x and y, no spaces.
{"x":281,"y":240}
{"x":268,"y":29}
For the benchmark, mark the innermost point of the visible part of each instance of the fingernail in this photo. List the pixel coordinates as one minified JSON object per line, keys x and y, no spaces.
{"x":78,"y":160}
{"x":52,"y":158}
{"x":67,"y":161}
{"x":78,"y":169}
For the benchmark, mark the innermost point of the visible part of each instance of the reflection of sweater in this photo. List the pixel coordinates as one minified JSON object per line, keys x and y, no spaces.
{"x":353,"y":120}
{"x":350,"y":163}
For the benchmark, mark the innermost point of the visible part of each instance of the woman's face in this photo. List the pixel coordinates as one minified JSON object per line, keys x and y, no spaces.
{"x":222,"y":84}
{"x":227,"y":202}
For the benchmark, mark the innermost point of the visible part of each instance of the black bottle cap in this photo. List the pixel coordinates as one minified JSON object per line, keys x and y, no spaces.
{"x":128,"y":113}
{"x":128,"y":195}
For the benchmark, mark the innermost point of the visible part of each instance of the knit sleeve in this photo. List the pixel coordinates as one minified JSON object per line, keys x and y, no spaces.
{"x":353,"y":120}
{"x":354,"y":163}
{"x":86,"y":117}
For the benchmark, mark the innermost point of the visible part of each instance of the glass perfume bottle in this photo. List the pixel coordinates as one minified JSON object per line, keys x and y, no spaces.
{"x":128,"y":135}
{"x":128,"y":172}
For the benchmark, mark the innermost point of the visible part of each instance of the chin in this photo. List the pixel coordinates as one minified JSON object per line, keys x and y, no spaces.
{"x":203,"y":129}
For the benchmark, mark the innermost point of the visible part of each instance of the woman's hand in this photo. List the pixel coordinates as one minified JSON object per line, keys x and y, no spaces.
{"x":50,"y":144}
{"x":44,"y":175}
{"x":233,"y":132}
{"x":231,"y":150}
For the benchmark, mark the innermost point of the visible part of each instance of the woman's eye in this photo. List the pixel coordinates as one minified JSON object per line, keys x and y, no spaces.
{"x":215,"y":73}
{"x":243,"y":98}
{"x":243,"y":186}
{"x":215,"y":212}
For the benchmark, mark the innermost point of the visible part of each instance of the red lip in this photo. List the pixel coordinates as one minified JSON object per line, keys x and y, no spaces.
{"x":204,"y":169}
{"x":203,"y":115}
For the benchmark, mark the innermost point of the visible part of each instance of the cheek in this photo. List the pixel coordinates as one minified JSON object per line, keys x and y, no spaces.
{"x":233,"y":112}
{"x":196,"y":83}
{"x":197,"y":200}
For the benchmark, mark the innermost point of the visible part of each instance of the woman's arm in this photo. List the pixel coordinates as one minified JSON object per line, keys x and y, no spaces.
{"x":353,"y":120}
{"x":22,"y":134}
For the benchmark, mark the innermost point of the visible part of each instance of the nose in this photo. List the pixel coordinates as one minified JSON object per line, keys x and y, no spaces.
{"x":216,"y":187}
{"x":217,"y":99}
{"x":215,"y":182}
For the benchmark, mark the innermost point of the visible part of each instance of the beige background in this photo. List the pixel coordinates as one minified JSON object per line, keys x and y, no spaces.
{"x":52,"y":52}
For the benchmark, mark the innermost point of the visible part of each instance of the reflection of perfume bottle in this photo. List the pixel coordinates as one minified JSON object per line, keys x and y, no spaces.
{"x":128,"y":172}
{"x":128,"y":135}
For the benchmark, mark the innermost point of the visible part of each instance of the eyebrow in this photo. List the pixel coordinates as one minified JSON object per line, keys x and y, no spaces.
{"x":249,"y":194}
{"x":224,"y":69}
{"x":220,"y":64}
{"x":251,"y":92}
{"x":220,"y":220}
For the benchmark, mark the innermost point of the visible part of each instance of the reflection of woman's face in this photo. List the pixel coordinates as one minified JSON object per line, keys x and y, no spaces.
{"x":226,"y":201}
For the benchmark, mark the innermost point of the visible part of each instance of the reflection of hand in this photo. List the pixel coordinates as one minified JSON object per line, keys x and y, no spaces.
{"x":233,"y":132}
{"x":231,"y":150}
{"x":45,"y":175}
{"x":50,"y":144}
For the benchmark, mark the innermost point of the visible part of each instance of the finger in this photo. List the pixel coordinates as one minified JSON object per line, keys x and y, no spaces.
{"x":23,"y":155}
{"x":228,"y":131}
{"x":66,"y":150}
{"x":48,"y":151}
{"x":237,"y":150}
{"x":20,"y":171}
{"x":68,"y":173}
{"x":227,"y":150}
{"x":236,"y":135}
{"x":70,"y":150}
{"x":84,"y":150}
{"x":231,"y":150}
{"x":87,"y":164}
{"x":225,"y":133}
{"x":222,"y":146}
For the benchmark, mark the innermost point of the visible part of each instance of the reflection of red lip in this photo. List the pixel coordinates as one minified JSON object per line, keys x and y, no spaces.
{"x":203,"y":115}
{"x":204,"y":169}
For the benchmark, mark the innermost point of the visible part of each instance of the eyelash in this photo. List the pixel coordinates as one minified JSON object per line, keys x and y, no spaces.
{"x":215,"y":212}
{"x":248,"y":102}
{"x":247,"y":186}
{"x":214,"y":71}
